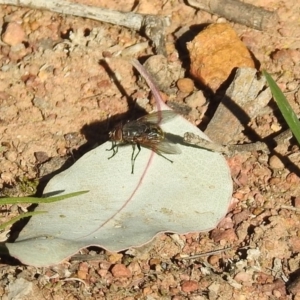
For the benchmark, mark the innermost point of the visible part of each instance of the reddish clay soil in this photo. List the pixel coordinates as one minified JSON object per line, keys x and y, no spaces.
{"x":56,"y":99}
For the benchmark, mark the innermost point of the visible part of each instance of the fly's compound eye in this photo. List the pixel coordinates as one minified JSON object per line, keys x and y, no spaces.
{"x":116,"y":134}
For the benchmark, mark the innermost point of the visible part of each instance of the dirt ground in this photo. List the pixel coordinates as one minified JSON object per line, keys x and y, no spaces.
{"x":53,"y":88}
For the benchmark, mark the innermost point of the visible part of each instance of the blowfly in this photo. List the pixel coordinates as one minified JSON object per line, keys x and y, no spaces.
{"x":145,"y":132}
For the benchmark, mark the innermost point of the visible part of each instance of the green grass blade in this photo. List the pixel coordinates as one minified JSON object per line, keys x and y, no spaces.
{"x":15,"y":200}
{"x":15,"y":219}
{"x":285,"y":108}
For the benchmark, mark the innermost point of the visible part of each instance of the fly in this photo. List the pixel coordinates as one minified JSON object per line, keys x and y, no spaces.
{"x":145,"y":132}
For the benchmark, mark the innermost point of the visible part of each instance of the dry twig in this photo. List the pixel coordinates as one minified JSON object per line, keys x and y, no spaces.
{"x":152,"y":26}
{"x":230,"y":150}
{"x":296,"y":209}
{"x":205,"y":254}
{"x":239,"y":12}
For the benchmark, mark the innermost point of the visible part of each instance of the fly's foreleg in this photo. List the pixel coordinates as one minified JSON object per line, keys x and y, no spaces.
{"x":133,"y":157}
{"x":114,"y":148}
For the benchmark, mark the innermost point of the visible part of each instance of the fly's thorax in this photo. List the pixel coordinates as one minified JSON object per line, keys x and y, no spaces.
{"x":133,"y":131}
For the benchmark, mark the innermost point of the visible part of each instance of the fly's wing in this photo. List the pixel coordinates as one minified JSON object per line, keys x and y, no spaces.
{"x":166,"y":147}
{"x":158,"y":117}
{"x":163,"y":146}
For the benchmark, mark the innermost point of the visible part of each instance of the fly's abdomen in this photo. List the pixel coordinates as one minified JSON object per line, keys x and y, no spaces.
{"x":154,"y":133}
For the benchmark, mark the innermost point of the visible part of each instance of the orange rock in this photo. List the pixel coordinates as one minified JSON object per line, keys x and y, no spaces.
{"x":295,"y":244}
{"x":14,"y":34}
{"x":120,"y":270}
{"x":185,"y":85}
{"x":188,"y":286}
{"x":215,"y":52}
{"x":83,"y":270}
{"x":213,"y":260}
{"x":82,"y":275}
{"x":297,"y":202}
{"x":226,"y":235}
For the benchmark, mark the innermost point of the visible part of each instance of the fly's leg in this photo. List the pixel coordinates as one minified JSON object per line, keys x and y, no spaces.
{"x":133,"y":157}
{"x":114,"y":148}
{"x":171,"y":161}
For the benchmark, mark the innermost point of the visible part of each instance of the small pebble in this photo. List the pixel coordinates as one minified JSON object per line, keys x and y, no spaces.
{"x":114,"y":257}
{"x":154,"y":261}
{"x":275,"y":127}
{"x":274,"y":180}
{"x":243,"y":277}
{"x":83,"y":271}
{"x":275,"y":162}
{"x":213,"y":260}
{"x":7,"y":177}
{"x":185,"y":85}
{"x":295,"y":244}
{"x":102,"y":273}
{"x":41,"y":103}
{"x":291,"y":86}
{"x":257,"y":211}
{"x":226,"y":235}
{"x":10,"y":155}
{"x":277,"y":294}
{"x":297,"y":202}
{"x":120,"y":270}
{"x":292,"y":178}
{"x":82,"y":274}
{"x":41,"y":156}
{"x":189,"y":286}
{"x":195,"y":100}
{"x":14,"y":34}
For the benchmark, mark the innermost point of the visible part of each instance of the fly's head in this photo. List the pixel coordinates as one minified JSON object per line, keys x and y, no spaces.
{"x":116,"y":134}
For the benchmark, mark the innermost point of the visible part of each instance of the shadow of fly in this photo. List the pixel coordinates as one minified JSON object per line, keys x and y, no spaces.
{"x":145,"y":132}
